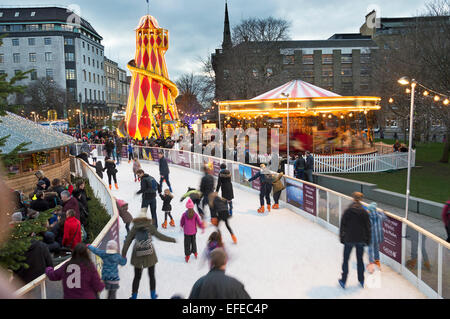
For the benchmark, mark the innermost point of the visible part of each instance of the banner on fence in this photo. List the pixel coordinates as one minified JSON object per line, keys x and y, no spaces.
{"x":216,"y":167}
{"x":392,"y":244}
{"x":256,"y":184}
{"x":183,"y":159}
{"x":309,"y":199}
{"x":154,"y":154}
{"x":294,"y":193}
{"x":124,"y":151}
{"x":245,"y":172}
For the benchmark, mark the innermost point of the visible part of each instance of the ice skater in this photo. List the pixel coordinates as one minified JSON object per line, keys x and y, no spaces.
{"x":377,"y":235}
{"x":136,"y":167}
{"x":167,"y":208}
{"x":110,"y":167}
{"x":265,"y":177}
{"x":149,"y":187}
{"x":164,"y":170}
{"x":224,"y":182}
{"x":189,"y":221}
{"x":220,"y":212}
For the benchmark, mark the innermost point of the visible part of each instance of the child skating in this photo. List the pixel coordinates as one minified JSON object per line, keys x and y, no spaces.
{"x":167,"y":208}
{"x":195,"y":196}
{"x":220,"y":212}
{"x":136,"y":167}
{"x":110,"y":272}
{"x":189,"y":221}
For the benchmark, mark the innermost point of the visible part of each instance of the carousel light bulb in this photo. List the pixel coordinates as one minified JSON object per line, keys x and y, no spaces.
{"x":408,"y":90}
{"x":324,"y":115}
{"x":425,"y":93}
{"x":446,"y":102}
{"x":351,"y":114}
{"x":342,"y":116}
{"x":365,"y":111}
{"x":330,"y":116}
{"x":437,"y":98}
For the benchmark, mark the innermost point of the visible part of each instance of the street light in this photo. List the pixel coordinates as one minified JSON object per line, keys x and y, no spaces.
{"x":286,"y":95}
{"x":405,"y":81}
{"x":81,"y":114}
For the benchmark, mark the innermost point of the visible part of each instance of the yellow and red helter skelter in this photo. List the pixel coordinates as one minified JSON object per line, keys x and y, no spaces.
{"x":151,"y":105}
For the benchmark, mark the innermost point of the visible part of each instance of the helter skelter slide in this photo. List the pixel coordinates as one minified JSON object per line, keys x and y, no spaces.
{"x":151,"y":105}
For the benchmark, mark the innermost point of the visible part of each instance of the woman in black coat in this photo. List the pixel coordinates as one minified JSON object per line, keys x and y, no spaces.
{"x":110,"y":168}
{"x":224,"y":181}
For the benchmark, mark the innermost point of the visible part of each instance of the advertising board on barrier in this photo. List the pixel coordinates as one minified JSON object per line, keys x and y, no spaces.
{"x":301,"y":195}
{"x":124,"y":151}
{"x":154,"y":154}
{"x":183,"y":159}
{"x":392,"y":244}
{"x":245,"y":172}
{"x":216,"y":167}
{"x":256,"y":183}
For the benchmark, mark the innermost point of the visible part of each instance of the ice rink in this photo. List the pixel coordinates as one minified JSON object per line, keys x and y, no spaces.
{"x":278,"y":255}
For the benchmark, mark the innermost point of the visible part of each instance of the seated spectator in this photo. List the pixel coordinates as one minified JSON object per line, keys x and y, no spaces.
{"x":39,"y":204}
{"x":56,"y":186}
{"x":52,"y":220}
{"x":57,"y":228}
{"x":52,"y":199}
{"x":38,"y":258}
{"x":41,"y":177}
{"x":72,"y":230}
{"x":90,"y":284}
{"x":70,"y":202}
{"x":52,"y":245}
{"x":40,"y":186}
{"x":67,"y":186}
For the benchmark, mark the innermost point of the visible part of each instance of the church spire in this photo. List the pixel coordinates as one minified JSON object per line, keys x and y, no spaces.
{"x":226,"y":44}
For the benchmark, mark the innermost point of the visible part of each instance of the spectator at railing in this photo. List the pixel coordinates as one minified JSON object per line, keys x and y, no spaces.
{"x":57,"y":228}
{"x":39,"y":204}
{"x":67,"y":185}
{"x":53,"y":199}
{"x":72,"y":230}
{"x":88,"y":284}
{"x":70,"y":202}
{"x":50,"y":240}
{"x":80,"y":194}
{"x":56,"y":186}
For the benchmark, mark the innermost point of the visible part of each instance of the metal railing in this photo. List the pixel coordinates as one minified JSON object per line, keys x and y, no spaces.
{"x":110,"y":231}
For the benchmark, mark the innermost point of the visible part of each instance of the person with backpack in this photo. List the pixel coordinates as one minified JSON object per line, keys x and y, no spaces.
{"x":224,"y":182}
{"x":189,"y":222}
{"x":110,"y":272}
{"x":149,"y":187}
{"x":80,"y":278}
{"x":144,"y":255}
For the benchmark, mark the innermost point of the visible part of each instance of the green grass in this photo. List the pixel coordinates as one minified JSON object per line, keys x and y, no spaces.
{"x":430,"y":179}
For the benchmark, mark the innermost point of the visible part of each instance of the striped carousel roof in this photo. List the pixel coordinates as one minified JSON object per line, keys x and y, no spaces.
{"x":296,"y":89}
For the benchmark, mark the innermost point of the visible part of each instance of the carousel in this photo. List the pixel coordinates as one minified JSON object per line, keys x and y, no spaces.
{"x":320,"y":121}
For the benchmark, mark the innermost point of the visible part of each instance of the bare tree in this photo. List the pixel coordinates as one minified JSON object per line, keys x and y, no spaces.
{"x":190,"y":87}
{"x":261,"y":29}
{"x":45,"y":94}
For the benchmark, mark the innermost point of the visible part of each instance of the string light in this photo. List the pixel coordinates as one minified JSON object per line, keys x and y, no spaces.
{"x":408,"y":90}
{"x":391,"y":100}
{"x":446,"y":102}
{"x":425,"y":93}
{"x":437,"y":98}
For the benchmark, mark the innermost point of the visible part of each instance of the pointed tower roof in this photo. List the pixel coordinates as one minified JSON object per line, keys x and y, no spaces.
{"x":226,"y":44}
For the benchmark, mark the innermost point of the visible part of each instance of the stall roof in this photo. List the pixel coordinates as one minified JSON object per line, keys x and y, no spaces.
{"x":23,"y":130}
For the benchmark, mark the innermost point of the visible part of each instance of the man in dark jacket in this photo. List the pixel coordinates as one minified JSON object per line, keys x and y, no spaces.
{"x":265,"y":177}
{"x":39,"y":204}
{"x":164,"y":170}
{"x":109,"y":147}
{"x":206,"y":184}
{"x":149,"y":188}
{"x":299,"y":167}
{"x":217,"y":285}
{"x":309,"y":167}
{"x":56,"y":186}
{"x":37,"y":258}
{"x":224,"y":182}
{"x":355,"y":231}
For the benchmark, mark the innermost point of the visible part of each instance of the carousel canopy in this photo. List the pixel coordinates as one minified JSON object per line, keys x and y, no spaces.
{"x":304,"y":99}
{"x":296,"y":89}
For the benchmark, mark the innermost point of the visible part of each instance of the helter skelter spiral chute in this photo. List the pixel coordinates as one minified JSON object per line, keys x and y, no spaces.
{"x":151,"y":105}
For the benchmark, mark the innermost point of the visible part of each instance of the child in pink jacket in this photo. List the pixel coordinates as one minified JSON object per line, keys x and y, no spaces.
{"x":189,"y":221}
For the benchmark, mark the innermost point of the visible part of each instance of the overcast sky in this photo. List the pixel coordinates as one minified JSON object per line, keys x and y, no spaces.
{"x":196,"y":26}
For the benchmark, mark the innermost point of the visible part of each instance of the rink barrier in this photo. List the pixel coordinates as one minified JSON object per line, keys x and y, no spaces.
{"x":325,"y":207}
{"x":110,"y":232}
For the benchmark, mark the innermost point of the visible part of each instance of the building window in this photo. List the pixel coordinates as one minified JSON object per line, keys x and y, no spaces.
{"x":89,"y":61}
{"x":84,"y":44}
{"x":364,"y":58}
{"x":288,"y":59}
{"x":68,"y":41}
{"x":391,"y":123}
{"x":97,"y":51}
{"x":98,"y":65}
{"x":101,"y":65}
{"x":347,"y":86}
{"x":49,"y":74}
{"x":92,"y":48}
{"x":90,"y":94}
{"x":84,"y":59}
{"x":103,"y":95}
{"x":17,"y":27}
{"x":33,"y":75}
{"x":47,"y":41}
{"x":89,"y":76}
{"x":31,"y":41}
{"x":346,"y":70}
{"x":98,"y":81}
{"x":48,"y":27}
{"x":33,"y":13}
{"x":327,"y":58}
{"x":365,"y":70}
{"x":84,"y":74}
{"x":32,"y":57}
{"x":85,"y":94}
{"x":70,"y":74}
{"x":2,"y":58}
{"x":70,"y":56}
{"x":16,"y":57}
{"x":16,"y":14}
{"x":15,"y":42}
{"x":48,"y":56}
{"x":226,"y":73}
{"x":95,"y":95}
{"x":88,"y":46}
{"x":32,"y":27}
{"x":269,"y":72}
{"x":346,"y":58}
{"x":327,"y":70}
{"x":93,"y":75}
{"x":2,"y":72}
{"x":308,"y":70}
{"x":4,"y":28}
{"x":67,"y":27}
{"x":1,"y":14}
{"x":307,"y":59}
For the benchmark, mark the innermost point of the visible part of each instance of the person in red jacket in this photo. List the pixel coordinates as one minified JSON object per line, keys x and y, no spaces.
{"x":67,"y":186}
{"x":72,"y":230}
{"x":70,"y":202}
{"x":446,"y":219}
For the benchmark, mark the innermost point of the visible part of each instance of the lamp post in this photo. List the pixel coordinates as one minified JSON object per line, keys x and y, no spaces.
{"x":286,"y":95}
{"x":405,"y":81}
{"x":81,"y":114}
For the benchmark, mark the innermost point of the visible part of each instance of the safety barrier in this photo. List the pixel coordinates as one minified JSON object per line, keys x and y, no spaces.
{"x":109,"y":232}
{"x":403,"y":242}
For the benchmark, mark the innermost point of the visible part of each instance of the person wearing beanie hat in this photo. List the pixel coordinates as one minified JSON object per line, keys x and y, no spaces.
{"x":189,"y":222}
{"x":219,"y":212}
{"x":167,"y":208}
{"x":111,"y":260}
{"x":16,"y":218}
{"x":377,"y":235}
{"x":144,"y":254}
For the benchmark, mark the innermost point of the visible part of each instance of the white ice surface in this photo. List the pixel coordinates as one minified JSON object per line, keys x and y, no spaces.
{"x":278,"y":255}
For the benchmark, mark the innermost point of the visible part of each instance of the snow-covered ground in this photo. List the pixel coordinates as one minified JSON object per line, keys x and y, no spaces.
{"x":278,"y":254}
